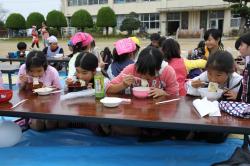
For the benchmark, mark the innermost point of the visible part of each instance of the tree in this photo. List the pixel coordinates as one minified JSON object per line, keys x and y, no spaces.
{"x":106,"y":18}
{"x":2,"y":26}
{"x":36,"y":19}
{"x":82,"y":19}
{"x":56,"y":19}
{"x":240,"y":7}
{"x":130,"y":24}
{"x":15,"y":21}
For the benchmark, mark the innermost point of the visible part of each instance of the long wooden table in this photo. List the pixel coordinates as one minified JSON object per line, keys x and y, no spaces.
{"x":140,"y":112}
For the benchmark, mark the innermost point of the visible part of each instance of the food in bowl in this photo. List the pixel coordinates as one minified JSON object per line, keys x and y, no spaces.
{"x":144,"y":83}
{"x":77,"y":86}
{"x":141,"y":92}
{"x":5,"y":95}
{"x":213,"y":87}
{"x":43,"y":91}
{"x":204,"y":92}
{"x":111,"y":101}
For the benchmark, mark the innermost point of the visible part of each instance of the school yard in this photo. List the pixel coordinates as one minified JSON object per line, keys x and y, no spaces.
{"x":8,"y":45}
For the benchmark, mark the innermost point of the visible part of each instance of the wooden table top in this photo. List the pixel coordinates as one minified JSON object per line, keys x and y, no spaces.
{"x":140,"y":112}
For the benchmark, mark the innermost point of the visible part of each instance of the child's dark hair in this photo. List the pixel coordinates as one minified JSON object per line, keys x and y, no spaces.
{"x":216,"y":34}
{"x":78,"y":47}
{"x":36,"y":59}
{"x":149,"y":61}
{"x":21,"y":46}
{"x":171,"y":49}
{"x":161,"y":40}
{"x":120,"y":58}
{"x":222,"y":61}
{"x":201,"y":44}
{"x":87,"y":61}
{"x":245,"y":38}
{"x":155,"y":36}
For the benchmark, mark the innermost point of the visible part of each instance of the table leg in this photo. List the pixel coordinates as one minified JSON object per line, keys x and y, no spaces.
{"x":10,"y":81}
{"x":246,"y":142}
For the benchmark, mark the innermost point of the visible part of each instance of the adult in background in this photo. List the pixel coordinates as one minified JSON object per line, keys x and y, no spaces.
{"x":45,"y":34}
{"x":52,"y":50}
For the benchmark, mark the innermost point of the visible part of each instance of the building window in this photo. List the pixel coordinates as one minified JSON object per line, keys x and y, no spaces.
{"x":184,"y":20}
{"x":86,"y":2}
{"x":124,"y":1}
{"x":203,"y":20}
{"x":150,"y":20}
{"x":235,"y":20}
{"x":93,"y":2}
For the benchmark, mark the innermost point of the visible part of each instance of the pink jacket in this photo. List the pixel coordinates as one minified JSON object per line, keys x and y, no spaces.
{"x":166,"y":80}
{"x":181,"y":73}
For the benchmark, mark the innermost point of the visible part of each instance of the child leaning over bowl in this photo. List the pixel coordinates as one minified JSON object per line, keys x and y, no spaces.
{"x":36,"y":67}
{"x":220,"y":70}
{"x":86,"y":64}
{"x":151,"y":67}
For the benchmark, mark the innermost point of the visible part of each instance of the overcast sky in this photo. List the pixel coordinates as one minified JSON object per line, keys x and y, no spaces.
{"x":25,"y":7}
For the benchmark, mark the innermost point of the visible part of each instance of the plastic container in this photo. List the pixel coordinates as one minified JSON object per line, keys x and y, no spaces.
{"x":99,"y":84}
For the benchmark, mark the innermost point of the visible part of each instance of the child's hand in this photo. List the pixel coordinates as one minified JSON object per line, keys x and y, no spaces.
{"x":128,"y":80}
{"x":90,"y":86}
{"x":230,"y":95}
{"x":23,"y":78}
{"x":69,"y":81}
{"x":156,"y":92}
{"x":197,"y":83}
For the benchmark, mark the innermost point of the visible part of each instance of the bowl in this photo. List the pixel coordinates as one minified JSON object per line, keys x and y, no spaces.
{"x":5,"y":95}
{"x":141,"y":92}
{"x":210,"y":95}
{"x":111,"y":101}
{"x":58,"y":56}
{"x":43,"y":91}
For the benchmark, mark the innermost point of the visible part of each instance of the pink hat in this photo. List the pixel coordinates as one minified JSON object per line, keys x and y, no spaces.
{"x":126,"y":45}
{"x":85,"y":38}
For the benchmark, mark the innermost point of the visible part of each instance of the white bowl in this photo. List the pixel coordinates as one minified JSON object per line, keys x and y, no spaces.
{"x":111,"y":101}
{"x":210,"y":95}
{"x":44,"y":91}
{"x":58,"y":56}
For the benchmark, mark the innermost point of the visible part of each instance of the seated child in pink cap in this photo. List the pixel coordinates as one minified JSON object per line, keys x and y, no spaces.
{"x":123,"y":54}
{"x":81,"y":42}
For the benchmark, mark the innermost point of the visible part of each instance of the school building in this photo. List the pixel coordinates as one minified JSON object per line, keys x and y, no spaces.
{"x":165,"y":16}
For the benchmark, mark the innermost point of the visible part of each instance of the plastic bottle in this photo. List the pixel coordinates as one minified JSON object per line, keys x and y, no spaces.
{"x":99,"y":84}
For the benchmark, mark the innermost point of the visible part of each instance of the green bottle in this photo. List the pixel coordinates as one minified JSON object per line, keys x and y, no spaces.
{"x":99,"y":84}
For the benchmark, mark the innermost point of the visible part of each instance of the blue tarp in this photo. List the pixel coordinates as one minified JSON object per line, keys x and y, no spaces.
{"x":80,"y":147}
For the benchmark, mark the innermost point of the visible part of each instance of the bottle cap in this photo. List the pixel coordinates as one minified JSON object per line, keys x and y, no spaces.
{"x":98,"y":69}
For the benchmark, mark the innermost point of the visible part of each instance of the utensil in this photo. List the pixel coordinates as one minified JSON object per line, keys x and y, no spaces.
{"x":137,"y":78}
{"x":167,"y":101}
{"x":236,"y":85}
{"x":17,"y":104}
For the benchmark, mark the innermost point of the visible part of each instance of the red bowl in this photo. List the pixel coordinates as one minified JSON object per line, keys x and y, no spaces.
{"x":5,"y":95}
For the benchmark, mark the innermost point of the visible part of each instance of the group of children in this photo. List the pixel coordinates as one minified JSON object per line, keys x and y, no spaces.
{"x":160,"y":64}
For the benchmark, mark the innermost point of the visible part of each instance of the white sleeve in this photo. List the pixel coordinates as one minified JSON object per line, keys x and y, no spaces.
{"x":72,"y":69}
{"x":194,"y":91}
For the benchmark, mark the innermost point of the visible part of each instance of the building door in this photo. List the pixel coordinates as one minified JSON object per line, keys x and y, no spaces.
{"x":172,"y":27}
{"x":216,"y":24}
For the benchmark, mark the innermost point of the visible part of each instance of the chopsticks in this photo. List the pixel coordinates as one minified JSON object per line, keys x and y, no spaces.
{"x":167,"y":101}
{"x":132,"y":75}
{"x":17,"y":104}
